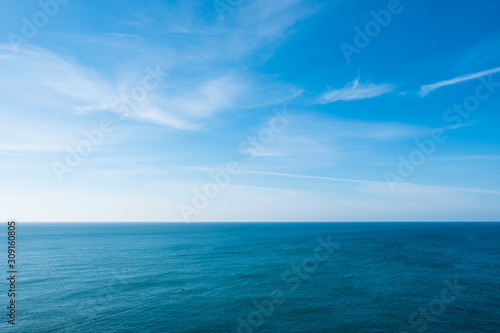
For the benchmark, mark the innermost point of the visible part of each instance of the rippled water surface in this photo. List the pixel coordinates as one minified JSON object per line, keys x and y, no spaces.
{"x":335,"y":277}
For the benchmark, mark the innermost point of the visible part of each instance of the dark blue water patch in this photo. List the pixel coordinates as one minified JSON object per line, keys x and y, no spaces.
{"x":382,"y":277}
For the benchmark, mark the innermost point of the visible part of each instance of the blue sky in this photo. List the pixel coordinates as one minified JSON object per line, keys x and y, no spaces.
{"x":403,"y":126}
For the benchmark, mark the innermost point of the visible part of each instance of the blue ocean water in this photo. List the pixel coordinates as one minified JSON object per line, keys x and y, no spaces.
{"x":292,"y":277}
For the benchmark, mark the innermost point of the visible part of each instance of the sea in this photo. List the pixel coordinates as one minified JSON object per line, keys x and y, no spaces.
{"x":254,"y":277}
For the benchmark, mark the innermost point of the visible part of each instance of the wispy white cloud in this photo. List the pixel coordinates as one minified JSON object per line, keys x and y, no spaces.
{"x":355,"y":91}
{"x":37,"y":77}
{"x":426,"y":89}
{"x":272,"y":19}
{"x":205,"y":76}
{"x":316,"y":139}
{"x":41,"y":79}
{"x":184,"y":107}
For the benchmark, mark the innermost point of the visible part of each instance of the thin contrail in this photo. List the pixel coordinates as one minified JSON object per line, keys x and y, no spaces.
{"x":372,"y":182}
{"x":424,"y":90}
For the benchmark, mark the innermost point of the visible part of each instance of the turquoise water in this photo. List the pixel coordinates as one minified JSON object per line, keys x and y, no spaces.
{"x":366,"y":277}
